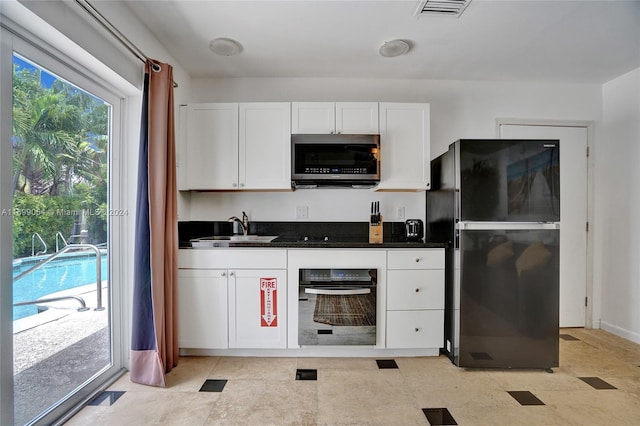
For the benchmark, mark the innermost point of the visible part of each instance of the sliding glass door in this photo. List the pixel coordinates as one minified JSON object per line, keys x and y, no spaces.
{"x":65,"y":225}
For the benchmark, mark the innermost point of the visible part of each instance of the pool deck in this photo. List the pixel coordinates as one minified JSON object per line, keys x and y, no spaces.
{"x":57,"y":350}
{"x":39,"y":336}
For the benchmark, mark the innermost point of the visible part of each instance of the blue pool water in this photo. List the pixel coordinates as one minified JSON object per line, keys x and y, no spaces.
{"x":61,"y":274}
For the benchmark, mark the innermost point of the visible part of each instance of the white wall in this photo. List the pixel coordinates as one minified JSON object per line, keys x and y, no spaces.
{"x":617,"y":251}
{"x":459,"y":109}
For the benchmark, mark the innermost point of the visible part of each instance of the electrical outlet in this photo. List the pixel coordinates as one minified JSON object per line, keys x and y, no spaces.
{"x":302,"y":212}
{"x":400,"y":213}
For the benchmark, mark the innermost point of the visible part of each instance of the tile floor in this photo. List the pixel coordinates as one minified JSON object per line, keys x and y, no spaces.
{"x":597,"y":383}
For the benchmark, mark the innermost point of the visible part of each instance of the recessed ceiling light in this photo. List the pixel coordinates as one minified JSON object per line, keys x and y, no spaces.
{"x":394,"y":48}
{"x":225,"y":46}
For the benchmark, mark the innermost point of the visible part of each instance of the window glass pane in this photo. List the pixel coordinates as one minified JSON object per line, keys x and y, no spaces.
{"x":61,"y":327}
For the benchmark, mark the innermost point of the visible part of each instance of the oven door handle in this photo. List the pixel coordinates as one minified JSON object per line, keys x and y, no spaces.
{"x":337,"y":292}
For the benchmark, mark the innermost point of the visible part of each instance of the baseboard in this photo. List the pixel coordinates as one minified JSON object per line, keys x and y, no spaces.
{"x":619,"y":331}
{"x":316,"y":351}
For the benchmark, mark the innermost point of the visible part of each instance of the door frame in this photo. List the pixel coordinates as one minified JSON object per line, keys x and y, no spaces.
{"x":593,"y":294}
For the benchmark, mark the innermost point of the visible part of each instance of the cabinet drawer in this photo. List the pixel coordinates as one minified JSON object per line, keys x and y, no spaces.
{"x":416,"y":259}
{"x":415,"y":329}
{"x":415,"y":289}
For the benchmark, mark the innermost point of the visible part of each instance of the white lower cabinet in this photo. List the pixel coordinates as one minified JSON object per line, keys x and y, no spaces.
{"x":221,"y":298}
{"x":415,"y":329}
{"x":237,"y":298}
{"x":257,"y":308}
{"x":202,"y":309}
{"x":415,"y":298}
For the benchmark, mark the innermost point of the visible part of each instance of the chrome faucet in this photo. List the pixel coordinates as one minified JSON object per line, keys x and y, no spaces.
{"x":244,"y":223}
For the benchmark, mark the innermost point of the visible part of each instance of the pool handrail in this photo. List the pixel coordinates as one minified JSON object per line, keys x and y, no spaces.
{"x":60,"y":236}
{"x":64,"y":250}
{"x":33,"y":244}
{"x":83,"y":305}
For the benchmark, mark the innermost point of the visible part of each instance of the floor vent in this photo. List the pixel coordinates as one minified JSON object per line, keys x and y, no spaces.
{"x":452,"y":8}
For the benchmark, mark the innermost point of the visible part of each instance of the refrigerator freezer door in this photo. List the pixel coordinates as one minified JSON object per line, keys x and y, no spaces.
{"x":508,"y":180}
{"x":508,"y":284}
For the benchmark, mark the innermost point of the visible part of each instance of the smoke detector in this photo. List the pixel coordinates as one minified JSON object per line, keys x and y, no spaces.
{"x":393,"y":48}
{"x":225,"y":46}
{"x":452,"y":8}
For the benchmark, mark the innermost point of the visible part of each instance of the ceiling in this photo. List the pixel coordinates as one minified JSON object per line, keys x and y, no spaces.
{"x":510,"y":40}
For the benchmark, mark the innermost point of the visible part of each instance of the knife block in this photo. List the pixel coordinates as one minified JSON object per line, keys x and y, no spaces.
{"x":375,"y":232}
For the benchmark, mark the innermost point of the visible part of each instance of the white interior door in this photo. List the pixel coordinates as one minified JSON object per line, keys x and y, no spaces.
{"x":573,"y":213}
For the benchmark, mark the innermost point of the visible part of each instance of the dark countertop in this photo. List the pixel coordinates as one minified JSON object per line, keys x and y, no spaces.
{"x":291,"y":235}
{"x":326,"y":245}
{"x":289,"y":244}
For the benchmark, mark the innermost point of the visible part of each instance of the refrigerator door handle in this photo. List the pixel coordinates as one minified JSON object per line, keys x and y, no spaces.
{"x":456,"y":204}
{"x":480,"y":226}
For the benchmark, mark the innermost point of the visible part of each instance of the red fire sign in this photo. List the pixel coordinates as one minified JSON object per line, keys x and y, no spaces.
{"x":268,"y":302}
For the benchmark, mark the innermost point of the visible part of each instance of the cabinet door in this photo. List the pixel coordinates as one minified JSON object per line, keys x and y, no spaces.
{"x":212,"y":146}
{"x":265,"y":146}
{"x":257,"y":308}
{"x":404,"y":146}
{"x":415,"y":289}
{"x":357,"y":118}
{"x":202,"y":309}
{"x":415,"y":329}
{"x":313,"y":117}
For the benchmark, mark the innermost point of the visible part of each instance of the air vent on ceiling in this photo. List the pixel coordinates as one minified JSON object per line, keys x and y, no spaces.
{"x":442,"y":7}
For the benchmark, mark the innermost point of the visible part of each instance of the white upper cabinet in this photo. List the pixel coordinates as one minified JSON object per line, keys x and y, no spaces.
{"x":313,"y":117}
{"x":210,"y":135}
{"x":357,"y":118}
{"x":231,"y":146}
{"x":334,"y":117}
{"x":265,"y":146}
{"x":405,"y":154}
{"x":247,"y":146}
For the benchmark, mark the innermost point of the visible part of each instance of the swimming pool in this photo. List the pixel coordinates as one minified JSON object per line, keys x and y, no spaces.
{"x":69,"y":271}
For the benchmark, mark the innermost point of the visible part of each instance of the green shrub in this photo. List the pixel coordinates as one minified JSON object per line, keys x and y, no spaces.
{"x":45,"y":215}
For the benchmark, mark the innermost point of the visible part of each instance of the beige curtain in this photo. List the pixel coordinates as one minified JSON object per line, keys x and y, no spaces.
{"x":154,"y":341}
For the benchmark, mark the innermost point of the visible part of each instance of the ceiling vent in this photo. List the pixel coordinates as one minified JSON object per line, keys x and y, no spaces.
{"x":452,"y":8}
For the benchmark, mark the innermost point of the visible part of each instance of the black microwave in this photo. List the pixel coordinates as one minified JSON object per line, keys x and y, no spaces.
{"x":335,"y":160}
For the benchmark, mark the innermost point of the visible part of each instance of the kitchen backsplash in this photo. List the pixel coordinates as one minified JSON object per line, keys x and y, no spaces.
{"x":293,"y":231}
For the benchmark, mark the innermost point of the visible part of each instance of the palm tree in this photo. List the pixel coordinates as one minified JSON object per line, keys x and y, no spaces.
{"x":56,"y":137}
{"x":44,"y":135}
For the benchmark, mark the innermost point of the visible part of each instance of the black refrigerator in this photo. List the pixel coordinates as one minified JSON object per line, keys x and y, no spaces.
{"x":496,"y":206}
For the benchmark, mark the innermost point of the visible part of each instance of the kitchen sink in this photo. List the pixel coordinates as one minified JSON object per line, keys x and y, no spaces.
{"x":253,"y":238}
{"x":227,"y":240}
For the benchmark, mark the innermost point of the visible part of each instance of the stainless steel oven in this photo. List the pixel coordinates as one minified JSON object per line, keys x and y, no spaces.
{"x":337,"y":306}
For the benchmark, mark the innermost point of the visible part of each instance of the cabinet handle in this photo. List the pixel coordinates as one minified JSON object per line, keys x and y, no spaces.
{"x":417,"y":290}
{"x":234,"y":184}
{"x":231,"y":274}
{"x":242,"y":185}
{"x":224,"y":274}
{"x":417,"y":259}
{"x":417,"y":330}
